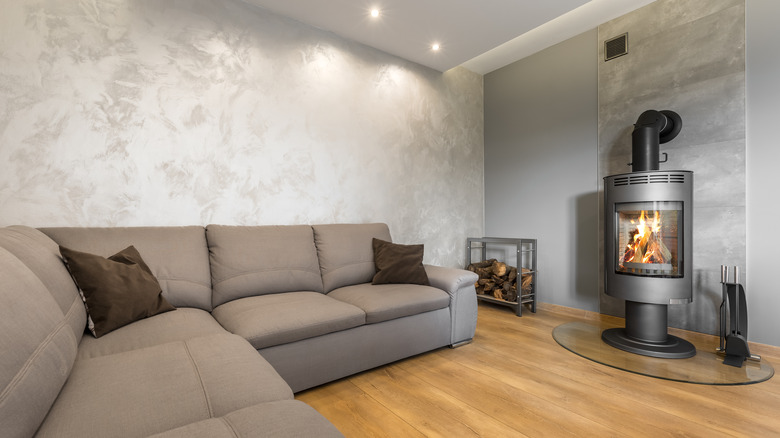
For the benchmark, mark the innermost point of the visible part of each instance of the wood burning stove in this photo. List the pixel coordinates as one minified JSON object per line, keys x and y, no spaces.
{"x":648,"y":242}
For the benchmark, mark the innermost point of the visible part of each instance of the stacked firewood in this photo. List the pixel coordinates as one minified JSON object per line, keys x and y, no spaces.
{"x":499,"y":280}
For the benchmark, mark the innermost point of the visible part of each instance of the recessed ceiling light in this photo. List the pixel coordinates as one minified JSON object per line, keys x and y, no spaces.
{"x":435,"y":47}
{"x":375,"y":12}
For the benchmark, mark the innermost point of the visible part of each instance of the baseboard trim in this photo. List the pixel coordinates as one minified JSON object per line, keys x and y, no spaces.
{"x":573,"y":312}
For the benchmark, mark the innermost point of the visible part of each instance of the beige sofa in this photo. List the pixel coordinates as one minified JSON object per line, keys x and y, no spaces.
{"x":299,"y":295}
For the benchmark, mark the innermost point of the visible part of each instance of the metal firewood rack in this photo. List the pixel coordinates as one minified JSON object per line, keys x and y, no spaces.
{"x":525,"y":250}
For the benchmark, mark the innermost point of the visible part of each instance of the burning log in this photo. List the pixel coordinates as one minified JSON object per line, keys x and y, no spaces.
{"x":499,"y":280}
{"x":645,"y":244}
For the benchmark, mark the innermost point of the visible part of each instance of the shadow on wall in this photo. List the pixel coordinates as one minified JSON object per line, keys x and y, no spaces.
{"x":586,"y":257}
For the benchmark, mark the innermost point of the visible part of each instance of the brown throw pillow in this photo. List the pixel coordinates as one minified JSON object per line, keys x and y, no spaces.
{"x":116,"y":290}
{"x":398,"y":263}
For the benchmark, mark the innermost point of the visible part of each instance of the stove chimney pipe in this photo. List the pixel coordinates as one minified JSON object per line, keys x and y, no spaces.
{"x":651,"y":129}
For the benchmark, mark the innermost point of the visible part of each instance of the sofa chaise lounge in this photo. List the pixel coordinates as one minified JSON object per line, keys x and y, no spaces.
{"x":261,"y":312}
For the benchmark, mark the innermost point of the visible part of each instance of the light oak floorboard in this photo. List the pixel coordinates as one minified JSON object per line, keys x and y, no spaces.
{"x":514,"y":380}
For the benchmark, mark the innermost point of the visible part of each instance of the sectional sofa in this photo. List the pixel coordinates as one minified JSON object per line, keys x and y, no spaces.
{"x":261,"y":312}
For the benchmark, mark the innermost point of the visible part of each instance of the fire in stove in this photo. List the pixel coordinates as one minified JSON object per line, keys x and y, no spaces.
{"x":645,"y":244}
{"x":648,"y":238}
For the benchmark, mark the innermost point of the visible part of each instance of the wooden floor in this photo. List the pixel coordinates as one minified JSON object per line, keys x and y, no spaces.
{"x":514,"y":380}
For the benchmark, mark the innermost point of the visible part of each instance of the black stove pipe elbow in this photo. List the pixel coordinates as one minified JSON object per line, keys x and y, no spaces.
{"x":651,"y":129}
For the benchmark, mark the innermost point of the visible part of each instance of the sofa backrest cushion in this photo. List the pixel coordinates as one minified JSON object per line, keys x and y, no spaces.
{"x":346,"y":253}
{"x":177,"y":256}
{"x":37,"y":344}
{"x":248,"y":261}
{"x":42,"y":256}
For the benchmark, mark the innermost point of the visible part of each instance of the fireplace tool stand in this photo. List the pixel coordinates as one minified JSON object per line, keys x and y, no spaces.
{"x":733,"y":337}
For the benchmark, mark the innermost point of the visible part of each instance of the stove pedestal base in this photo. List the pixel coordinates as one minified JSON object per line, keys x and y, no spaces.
{"x":672,"y":348}
{"x":646,"y":334}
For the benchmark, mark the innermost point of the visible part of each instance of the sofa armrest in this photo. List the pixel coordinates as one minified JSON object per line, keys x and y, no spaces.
{"x":459,"y":283}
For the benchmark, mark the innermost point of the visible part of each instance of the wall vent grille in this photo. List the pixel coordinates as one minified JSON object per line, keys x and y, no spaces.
{"x":617,"y":46}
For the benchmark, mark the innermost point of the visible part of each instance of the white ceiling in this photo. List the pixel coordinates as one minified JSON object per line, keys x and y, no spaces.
{"x":481,"y":35}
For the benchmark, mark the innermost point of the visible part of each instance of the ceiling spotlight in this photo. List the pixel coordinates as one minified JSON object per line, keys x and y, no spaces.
{"x":375,"y":12}
{"x":435,"y":47}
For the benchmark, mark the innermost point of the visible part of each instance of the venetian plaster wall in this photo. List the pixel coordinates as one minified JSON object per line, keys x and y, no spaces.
{"x":145,"y":112}
{"x":687,"y":56}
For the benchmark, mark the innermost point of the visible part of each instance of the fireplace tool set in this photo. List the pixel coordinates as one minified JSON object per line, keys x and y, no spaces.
{"x":733,"y":333}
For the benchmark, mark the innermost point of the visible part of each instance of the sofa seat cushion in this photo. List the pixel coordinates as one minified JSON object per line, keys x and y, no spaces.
{"x":269,"y":320}
{"x":185,"y":323}
{"x":150,"y":390}
{"x":383,"y":302}
{"x":287,"y":418}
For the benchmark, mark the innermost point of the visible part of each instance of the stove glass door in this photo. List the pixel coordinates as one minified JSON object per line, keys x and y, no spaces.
{"x":649,"y":238}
